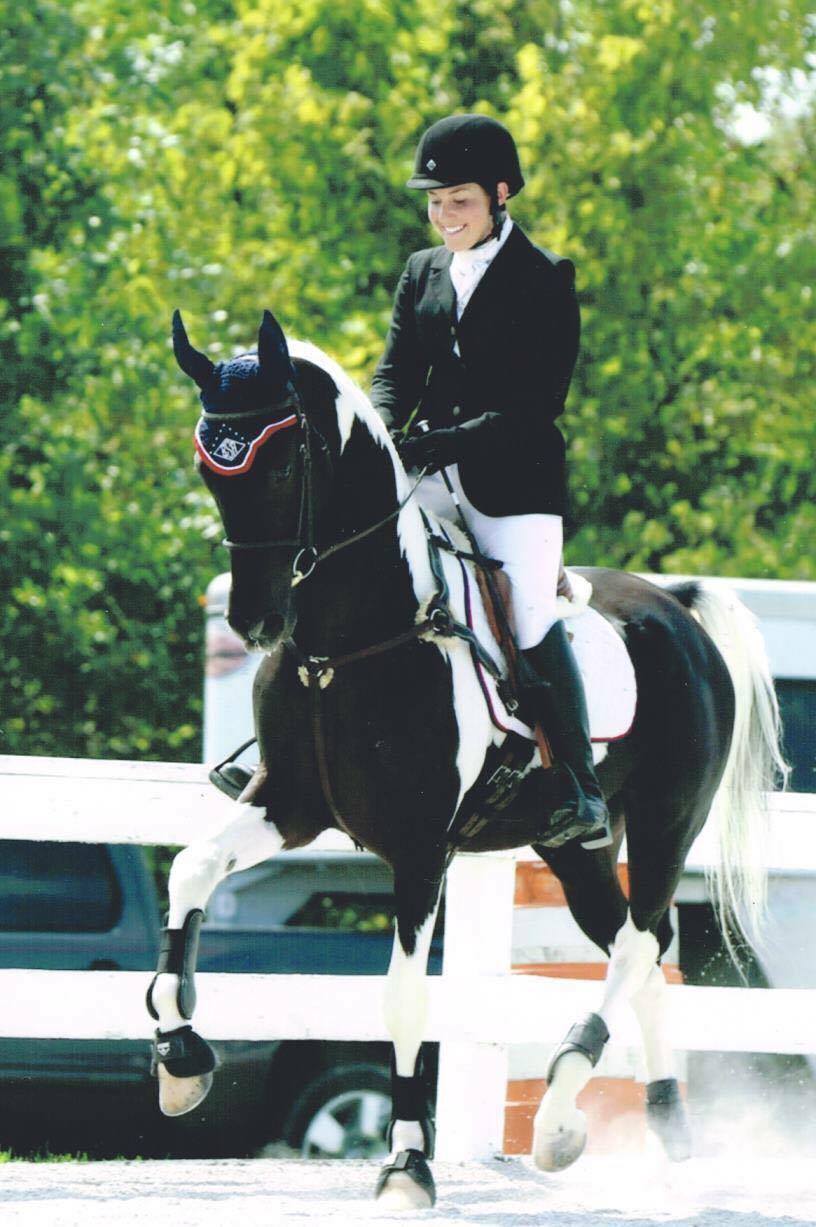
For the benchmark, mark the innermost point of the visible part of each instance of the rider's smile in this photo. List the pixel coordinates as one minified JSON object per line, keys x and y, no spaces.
{"x":460,"y":214}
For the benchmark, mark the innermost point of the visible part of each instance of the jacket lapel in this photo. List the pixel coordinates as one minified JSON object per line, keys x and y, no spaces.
{"x":440,"y":286}
{"x":500,"y":271}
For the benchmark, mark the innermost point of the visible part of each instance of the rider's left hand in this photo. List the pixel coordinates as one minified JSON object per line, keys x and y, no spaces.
{"x":432,"y":451}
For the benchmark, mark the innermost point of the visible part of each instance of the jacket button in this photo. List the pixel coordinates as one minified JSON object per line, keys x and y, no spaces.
{"x":456,"y":411}
{"x":453,"y":330}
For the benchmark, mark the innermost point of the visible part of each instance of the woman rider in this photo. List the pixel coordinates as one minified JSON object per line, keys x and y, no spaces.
{"x":482,"y":345}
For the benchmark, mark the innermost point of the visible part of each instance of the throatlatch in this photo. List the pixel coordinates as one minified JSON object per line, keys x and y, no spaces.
{"x":177,"y":956}
{"x":587,"y":1037}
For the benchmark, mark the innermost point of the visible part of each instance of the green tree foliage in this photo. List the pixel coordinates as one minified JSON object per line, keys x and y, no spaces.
{"x":696,"y":260}
{"x":226,"y":155}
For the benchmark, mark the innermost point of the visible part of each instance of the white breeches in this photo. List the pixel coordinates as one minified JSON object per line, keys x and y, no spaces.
{"x":529,"y":546}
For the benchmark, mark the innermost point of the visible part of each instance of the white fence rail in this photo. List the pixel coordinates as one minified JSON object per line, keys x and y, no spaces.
{"x":477,"y":1008}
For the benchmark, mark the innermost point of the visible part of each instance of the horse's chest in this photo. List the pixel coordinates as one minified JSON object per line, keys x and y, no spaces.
{"x":383,"y":736}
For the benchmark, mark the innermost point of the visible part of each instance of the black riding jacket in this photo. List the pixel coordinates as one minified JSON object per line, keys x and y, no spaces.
{"x":518,"y":340}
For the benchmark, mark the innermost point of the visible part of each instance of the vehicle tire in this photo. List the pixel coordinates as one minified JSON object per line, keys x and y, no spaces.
{"x":342,"y":1114}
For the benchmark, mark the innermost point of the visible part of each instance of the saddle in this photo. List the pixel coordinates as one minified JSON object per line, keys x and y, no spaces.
{"x":497,"y":599}
{"x":503,"y":590}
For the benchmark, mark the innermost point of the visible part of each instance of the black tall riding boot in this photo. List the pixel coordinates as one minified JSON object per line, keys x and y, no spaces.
{"x":556,"y":699}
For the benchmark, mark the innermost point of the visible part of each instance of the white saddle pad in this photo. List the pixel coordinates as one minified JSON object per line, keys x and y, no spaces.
{"x":609,"y":678}
{"x":608,"y":673}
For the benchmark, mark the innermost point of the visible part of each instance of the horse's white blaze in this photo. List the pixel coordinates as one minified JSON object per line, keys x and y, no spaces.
{"x":650,"y":1003}
{"x":195,"y":873}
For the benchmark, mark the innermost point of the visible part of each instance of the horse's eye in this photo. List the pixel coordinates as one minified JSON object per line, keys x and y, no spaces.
{"x":274,"y":477}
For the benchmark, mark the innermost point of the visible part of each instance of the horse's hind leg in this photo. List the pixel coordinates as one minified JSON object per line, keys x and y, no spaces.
{"x":665,"y":1110}
{"x":405,"y":1182}
{"x":600,"y":907}
{"x":183,"y":1061}
{"x":560,"y":1127}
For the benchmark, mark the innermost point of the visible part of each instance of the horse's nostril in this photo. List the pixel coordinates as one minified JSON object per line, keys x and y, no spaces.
{"x":273,"y":626}
{"x":256,"y":630}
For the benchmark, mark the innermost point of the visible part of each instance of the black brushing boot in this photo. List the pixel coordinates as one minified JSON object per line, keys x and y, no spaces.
{"x":555,"y":698}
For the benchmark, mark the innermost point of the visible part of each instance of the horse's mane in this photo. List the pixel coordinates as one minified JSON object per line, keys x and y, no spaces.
{"x":352,"y":406}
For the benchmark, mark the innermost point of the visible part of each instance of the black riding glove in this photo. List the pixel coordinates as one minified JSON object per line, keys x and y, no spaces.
{"x":432,"y":451}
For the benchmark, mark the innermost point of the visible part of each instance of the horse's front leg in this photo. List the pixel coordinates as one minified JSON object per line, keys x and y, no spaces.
{"x":405,"y":1182}
{"x":559,"y":1133}
{"x":183,"y":1061}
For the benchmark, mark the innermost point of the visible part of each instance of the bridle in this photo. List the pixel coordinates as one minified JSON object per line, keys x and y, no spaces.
{"x":307,"y":554}
{"x":303,"y":543}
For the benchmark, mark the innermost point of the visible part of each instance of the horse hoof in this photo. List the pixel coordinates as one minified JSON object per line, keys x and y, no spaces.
{"x":558,"y":1145}
{"x":183,"y":1063}
{"x":407,"y":1183}
{"x":667,"y":1119}
{"x":180,"y":1095}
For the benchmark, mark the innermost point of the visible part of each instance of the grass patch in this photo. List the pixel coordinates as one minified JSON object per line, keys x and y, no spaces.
{"x":43,"y":1155}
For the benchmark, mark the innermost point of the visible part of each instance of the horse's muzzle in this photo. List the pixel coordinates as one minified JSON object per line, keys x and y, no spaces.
{"x":266,"y":633}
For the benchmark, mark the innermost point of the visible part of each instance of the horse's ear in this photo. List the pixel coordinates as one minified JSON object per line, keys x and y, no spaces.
{"x":273,"y":353}
{"x":193,"y":363}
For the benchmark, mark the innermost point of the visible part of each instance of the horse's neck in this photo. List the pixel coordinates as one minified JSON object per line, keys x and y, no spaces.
{"x":372,"y":587}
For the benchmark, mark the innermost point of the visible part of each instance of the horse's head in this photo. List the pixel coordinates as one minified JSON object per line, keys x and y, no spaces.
{"x":253,"y":455}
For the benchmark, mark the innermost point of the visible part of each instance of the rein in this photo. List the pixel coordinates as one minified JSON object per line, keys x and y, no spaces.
{"x":304,"y":543}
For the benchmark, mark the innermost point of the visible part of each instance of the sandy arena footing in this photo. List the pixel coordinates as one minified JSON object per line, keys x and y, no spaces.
{"x":625,"y":1191}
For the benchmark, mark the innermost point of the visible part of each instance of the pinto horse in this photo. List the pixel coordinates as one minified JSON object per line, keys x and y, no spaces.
{"x":369,"y":717}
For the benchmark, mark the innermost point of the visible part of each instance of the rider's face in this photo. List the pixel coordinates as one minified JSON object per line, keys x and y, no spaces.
{"x":461,"y":214}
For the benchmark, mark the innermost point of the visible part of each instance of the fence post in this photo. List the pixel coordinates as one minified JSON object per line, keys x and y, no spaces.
{"x":472,"y":1087}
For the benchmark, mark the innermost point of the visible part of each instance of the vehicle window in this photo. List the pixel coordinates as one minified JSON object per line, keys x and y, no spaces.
{"x":797,"y":704}
{"x":57,"y":887}
{"x":345,"y":910}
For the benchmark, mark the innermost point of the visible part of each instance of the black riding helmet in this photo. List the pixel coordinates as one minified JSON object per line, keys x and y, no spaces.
{"x":467,"y":149}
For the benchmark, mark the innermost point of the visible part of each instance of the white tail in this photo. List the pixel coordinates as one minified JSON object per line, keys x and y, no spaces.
{"x":755,"y":766}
